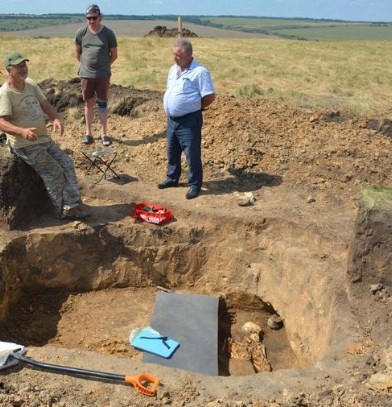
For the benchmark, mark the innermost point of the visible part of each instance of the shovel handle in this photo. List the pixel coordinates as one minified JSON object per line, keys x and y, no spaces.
{"x":144,"y":383}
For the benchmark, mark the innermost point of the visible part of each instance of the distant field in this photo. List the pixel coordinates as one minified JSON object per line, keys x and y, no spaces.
{"x":265,"y":23}
{"x":204,"y":26}
{"x":130,"y":28}
{"x":343,"y":32}
{"x":11,"y":23}
{"x":305,"y":29}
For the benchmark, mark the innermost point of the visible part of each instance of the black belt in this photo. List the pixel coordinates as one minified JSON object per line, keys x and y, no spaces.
{"x":183,"y":116}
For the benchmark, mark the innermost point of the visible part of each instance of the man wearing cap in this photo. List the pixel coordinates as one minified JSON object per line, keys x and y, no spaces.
{"x":23,"y":107}
{"x":96,"y":50}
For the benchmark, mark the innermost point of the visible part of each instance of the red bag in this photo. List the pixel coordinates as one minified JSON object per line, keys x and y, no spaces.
{"x":152,"y":213}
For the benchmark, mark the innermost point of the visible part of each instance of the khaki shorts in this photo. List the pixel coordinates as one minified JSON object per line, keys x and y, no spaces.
{"x":95,"y":87}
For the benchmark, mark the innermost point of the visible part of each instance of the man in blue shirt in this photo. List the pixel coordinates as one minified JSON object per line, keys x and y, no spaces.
{"x":189,"y":91}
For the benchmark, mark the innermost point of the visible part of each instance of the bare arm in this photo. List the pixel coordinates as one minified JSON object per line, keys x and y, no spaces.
{"x":207,"y":100}
{"x":113,"y":55}
{"x":78,"y":51}
{"x":27,"y":133}
{"x":52,"y":113}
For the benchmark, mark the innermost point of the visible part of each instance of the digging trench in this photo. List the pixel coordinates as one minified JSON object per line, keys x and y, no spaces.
{"x":268,"y":266}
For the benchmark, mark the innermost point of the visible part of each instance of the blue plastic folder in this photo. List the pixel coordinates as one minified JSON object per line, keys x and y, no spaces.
{"x":155,"y":343}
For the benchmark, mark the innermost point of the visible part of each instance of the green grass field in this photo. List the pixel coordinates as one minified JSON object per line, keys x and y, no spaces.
{"x":345,"y":32}
{"x":19,"y":23}
{"x":305,"y":29}
{"x":266,"y":23}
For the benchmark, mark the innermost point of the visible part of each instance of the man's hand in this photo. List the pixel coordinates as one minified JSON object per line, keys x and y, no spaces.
{"x":58,"y":126}
{"x":30,"y":134}
{"x":51,"y":112}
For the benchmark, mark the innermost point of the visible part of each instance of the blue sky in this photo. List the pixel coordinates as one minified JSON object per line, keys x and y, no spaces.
{"x":354,"y":10}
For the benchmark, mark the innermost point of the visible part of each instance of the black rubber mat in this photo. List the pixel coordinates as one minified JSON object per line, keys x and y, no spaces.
{"x":192,"y":320}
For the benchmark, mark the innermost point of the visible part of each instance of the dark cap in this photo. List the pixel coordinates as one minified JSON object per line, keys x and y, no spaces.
{"x":93,"y":9}
{"x":14,"y":58}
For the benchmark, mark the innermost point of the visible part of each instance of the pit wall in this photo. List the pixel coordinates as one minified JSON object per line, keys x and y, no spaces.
{"x":22,"y":193}
{"x":303,"y":276}
{"x":297,"y":271}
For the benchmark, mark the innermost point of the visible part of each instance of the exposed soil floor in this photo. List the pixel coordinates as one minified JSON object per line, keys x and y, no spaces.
{"x":262,"y":160}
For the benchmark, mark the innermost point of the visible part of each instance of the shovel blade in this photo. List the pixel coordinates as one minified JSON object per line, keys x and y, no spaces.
{"x":6,"y":348}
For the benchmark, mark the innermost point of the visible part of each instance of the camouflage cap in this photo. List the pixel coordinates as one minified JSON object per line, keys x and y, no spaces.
{"x":93,"y":9}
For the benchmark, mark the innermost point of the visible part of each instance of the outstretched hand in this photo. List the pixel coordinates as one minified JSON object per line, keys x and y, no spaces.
{"x":58,"y":126}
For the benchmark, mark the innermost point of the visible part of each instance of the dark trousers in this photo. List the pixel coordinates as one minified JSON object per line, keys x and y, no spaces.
{"x":184,"y":136}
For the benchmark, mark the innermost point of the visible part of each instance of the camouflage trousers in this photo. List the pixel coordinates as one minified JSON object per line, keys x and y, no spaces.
{"x":57,"y":171}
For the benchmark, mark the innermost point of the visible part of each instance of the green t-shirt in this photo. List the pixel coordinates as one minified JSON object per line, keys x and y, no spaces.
{"x":95,"y":55}
{"x":24,"y":109}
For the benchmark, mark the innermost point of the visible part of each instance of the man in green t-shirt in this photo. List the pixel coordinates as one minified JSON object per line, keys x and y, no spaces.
{"x":96,"y":50}
{"x":23,"y":107}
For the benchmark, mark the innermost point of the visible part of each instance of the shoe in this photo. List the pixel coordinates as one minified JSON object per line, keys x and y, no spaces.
{"x":3,"y":138}
{"x":87,"y":139}
{"x":76,"y":213}
{"x":193,"y":192}
{"x":106,"y":140}
{"x":167,"y":184}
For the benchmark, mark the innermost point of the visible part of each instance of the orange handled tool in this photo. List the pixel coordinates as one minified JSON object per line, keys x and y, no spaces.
{"x":144,"y":383}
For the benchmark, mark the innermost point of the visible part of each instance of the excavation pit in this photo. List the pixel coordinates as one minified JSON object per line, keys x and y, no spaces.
{"x":299,"y":247}
{"x":101,"y":321}
{"x":100,"y":281}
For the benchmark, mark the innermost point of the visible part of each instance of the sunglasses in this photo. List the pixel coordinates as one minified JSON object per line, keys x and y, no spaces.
{"x":92,"y":18}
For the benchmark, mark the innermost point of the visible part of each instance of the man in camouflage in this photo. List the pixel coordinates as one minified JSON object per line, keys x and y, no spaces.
{"x":23,"y":106}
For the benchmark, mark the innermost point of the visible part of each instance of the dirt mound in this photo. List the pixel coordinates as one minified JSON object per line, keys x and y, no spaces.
{"x":22,"y":193}
{"x":163,"y":31}
{"x":247,"y":143}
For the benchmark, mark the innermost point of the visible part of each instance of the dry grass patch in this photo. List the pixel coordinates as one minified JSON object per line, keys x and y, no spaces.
{"x":377,"y":197}
{"x":347,"y":75}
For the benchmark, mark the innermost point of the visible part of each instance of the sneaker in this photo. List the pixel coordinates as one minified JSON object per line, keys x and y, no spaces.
{"x":76,"y":213}
{"x":3,"y":138}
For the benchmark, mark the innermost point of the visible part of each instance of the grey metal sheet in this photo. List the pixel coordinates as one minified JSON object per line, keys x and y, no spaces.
{"x":191,"y":320}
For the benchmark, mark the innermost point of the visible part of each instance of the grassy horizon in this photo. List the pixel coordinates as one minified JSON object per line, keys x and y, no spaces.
{"x":307,"y":29}
{"x":347,"y":75}
{"x":287,"y":28}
